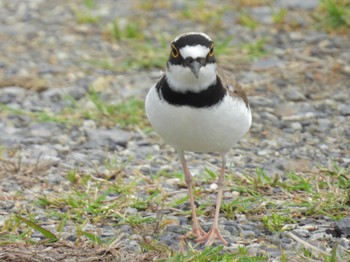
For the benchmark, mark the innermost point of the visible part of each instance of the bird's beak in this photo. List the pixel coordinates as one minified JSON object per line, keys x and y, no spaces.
{"x":195,"y":66}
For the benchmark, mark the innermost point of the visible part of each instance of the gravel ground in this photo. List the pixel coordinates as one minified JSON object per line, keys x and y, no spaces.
{"x":298,"y":91}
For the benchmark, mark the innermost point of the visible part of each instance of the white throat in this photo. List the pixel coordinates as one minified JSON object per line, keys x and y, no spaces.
{"x":181,"y":79}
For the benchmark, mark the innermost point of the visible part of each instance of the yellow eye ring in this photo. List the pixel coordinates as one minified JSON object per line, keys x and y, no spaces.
{"x":174,"y":51}
{"x":211,"y":51}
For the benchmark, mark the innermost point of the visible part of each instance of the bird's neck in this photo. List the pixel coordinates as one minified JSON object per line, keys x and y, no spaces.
{"x":208,"y":97}
{"x":181,"y":79}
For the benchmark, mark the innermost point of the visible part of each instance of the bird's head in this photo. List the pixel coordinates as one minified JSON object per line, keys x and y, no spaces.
{"x":191,"y":64}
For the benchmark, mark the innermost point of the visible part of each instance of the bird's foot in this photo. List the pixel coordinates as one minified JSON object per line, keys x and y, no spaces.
{"x":210,"y":237}
{"x":196,"y":231}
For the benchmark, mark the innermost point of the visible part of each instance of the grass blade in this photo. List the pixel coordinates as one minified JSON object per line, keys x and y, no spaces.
{"x":45,"y":232}
{"x":93,"y":237}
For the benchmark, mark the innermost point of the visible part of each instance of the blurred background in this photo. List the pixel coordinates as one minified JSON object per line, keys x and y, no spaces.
{"x":70,"y":40}
{"x":73,"y":77}
{"x":95,"y":60}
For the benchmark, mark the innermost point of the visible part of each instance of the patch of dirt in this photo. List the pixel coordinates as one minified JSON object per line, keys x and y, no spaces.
{"x":64,"y":251}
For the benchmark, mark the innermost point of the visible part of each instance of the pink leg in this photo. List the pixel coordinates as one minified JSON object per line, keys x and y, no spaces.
{"x":214,"y":232}
{"x":196,"y":228}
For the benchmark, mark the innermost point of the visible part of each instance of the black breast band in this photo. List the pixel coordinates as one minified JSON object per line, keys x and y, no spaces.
{"x":206,"y":98}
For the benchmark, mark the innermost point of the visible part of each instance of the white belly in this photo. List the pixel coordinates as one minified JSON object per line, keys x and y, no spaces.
{"x":214,"y":129}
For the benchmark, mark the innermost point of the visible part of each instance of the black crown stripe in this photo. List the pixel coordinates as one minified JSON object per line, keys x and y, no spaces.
{"x":192,"y":40}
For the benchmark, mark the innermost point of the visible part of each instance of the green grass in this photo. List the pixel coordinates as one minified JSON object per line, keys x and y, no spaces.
{"x":251,"y":3}
{"x":255,"y":50}
{"x":50,"y":237}
{"x":144,"y":50}
{"x":107,"y":64}
{"x":91,"y":4}
{"x":84,"y":12}
{"x":242,"y":205}
{"x":201,"y":11}
{"x":84,"y":17}
{"x":223,"y":46}
{"x":128,"y":114}
{"x":279,"y":16}
{"x":333,"y":15}
{"x":322,"y":192}
{"x":141,"y":51}
{"x":93,"y":198}
{"x":247,"y":20}
{"x":96,"y":199}
{"x":146,"y":55}
{"x":151,"y":6}
{"x":275,"y":222}
{"x":215,"y":254}
{"x":131,"y":30}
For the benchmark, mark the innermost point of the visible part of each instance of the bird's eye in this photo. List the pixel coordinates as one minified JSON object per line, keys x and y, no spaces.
{"x":211,"y":51}
{"x":174,"y":51}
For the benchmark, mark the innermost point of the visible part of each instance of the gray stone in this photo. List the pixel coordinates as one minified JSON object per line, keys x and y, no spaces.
{"x":248,"y":234}
{"x":175,"y":229}
{"x":325,"y":124}
{"x":302,"y":4}
{"x":134,"y":246}
{"x":58,"y":94}
{"x":262,"y":14}
{"x":344,"y":109}
{"x":320,"y":235}
{"x":11,"y":94}
{"x":53,"y":95}
{"x":249,"y":76}
{"x":2,"y":220}
{"x":302,"y":232}
{"x":76,"y":92}
{"x":271,"y":117}
{"x":126,"y":229}
{"x":130,"y":211}
{"x":264,"y":152}
{"x":299,"y":117}
{"x":296,"y":126}
{"x":343,"y":226}
{"x":10,"y":186}
{"x":232,"y":229}
{"x":260,"y":101}
{"x":344,"y":242}
{"x":324,"y":147}
{"x":76,"y":158}
{"x":45,"y":130}
{"x":182,"y":220}
{"x":108,"y":232}
{"x":170,"y":239}
{"x":41,"y":153}
{"x":294,"y":95}
{"x":11,"y":136}
{"x":267,"y":63}
{"x":7,"y":205}
{"x":107,"y":137}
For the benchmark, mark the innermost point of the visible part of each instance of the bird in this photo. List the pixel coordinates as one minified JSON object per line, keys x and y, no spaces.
{"x":196,"y":107}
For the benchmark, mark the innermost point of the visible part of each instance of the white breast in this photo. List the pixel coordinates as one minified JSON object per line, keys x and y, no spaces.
{"x":214,"y":129}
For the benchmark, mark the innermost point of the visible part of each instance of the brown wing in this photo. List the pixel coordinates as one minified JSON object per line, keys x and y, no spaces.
{"x":233,"y":87}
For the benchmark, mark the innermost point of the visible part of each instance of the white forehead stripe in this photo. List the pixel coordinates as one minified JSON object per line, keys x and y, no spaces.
{"x":194,"y":51}
{"x":192,"y":33}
